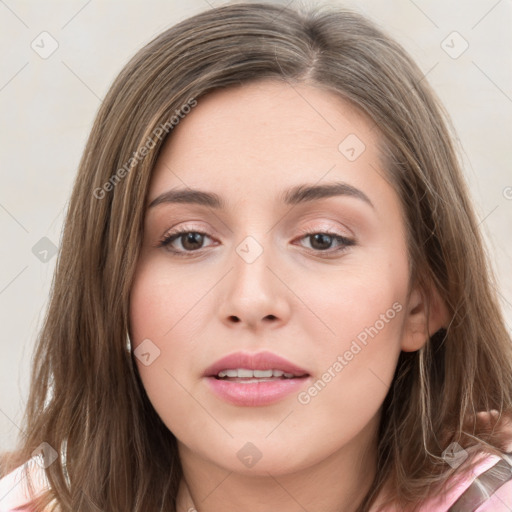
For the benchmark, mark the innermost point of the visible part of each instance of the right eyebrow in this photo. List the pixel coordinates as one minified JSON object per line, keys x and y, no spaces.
{"x":190,"y":196}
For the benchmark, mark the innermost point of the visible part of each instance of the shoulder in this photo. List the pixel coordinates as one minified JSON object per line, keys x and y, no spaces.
{"x":485,"y":488}
{"x":488,"y":487}
{"x":491,"y":488}
{"x":500,"y":501}
{"x":14,"y":487}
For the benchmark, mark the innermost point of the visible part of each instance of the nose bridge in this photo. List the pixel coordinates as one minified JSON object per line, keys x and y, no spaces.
{"x":251,"y":259}
{"x":253,"y":292}
{"x":254,"y":250}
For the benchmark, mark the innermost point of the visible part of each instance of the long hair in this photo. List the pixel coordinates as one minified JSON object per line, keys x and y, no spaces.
{"x":86,"y":398}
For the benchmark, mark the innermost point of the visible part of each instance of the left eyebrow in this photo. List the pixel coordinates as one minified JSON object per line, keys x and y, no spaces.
{"x":304,"y":193}
{"x":293,"y":196}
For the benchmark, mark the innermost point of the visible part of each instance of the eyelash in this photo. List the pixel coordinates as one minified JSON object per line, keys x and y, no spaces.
{"x":175,"y":235}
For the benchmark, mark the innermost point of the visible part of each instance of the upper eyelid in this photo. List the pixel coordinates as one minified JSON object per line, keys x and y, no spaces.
{"x":308,"y":230}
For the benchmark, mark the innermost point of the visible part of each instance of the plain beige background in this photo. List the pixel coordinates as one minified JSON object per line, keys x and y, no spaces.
{"x":59,"y":58}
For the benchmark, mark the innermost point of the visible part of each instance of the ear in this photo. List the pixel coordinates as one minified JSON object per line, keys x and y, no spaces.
{"x":423,"y":318}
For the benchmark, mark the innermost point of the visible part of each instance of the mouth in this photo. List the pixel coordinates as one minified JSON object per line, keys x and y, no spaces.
{"x":260,"y":365}
{"x":250,"y":376}
{"x":260,"y":379}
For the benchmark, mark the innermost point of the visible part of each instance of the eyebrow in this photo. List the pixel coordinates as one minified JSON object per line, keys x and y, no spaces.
{"x":293,"y":196}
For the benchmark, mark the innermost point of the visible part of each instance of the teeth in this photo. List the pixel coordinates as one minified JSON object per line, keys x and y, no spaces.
{"x":261,"y":373}
{"x":245,"y":373}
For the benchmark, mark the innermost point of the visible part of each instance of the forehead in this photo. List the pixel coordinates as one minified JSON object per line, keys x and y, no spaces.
{"x":268,"y":136}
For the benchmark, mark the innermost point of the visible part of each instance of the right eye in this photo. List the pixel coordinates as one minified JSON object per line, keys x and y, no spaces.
{"x":189,"y":241}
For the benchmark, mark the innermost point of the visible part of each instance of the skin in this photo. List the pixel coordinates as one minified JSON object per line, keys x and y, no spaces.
{"x":248,"y":144}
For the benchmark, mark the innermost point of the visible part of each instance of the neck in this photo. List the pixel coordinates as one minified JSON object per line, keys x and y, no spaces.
{"x":338,"y":482}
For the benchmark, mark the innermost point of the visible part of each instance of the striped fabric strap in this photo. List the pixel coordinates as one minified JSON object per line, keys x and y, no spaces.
{"x":482,"y":488}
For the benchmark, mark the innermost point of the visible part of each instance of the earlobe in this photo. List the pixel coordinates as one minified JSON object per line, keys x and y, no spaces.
{"x":424,"y":318}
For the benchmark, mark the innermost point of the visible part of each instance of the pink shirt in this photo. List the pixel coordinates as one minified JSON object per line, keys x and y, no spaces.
{"x":14,"y":492}
{"x":470,"y":495}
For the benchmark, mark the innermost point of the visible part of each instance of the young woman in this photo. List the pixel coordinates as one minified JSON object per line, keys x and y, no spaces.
{"x":271,"y":292}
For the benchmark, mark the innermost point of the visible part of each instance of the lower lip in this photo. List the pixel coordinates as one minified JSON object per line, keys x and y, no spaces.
{"x":253,"y":394}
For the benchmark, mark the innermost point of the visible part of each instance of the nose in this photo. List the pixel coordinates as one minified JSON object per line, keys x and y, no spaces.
{"x":255,"y":294}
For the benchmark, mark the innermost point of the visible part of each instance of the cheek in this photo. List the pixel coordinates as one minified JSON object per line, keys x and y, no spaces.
{"x":166,"y":308}
{"x":345,"y":301}
{"x":166,"y":303}
{"x":358,"y":324}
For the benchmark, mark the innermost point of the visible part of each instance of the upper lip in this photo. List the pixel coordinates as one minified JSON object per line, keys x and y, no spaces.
{"x":256,"y":361}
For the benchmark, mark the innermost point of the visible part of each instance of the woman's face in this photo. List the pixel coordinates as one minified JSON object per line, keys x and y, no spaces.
{"x":248,"y":278}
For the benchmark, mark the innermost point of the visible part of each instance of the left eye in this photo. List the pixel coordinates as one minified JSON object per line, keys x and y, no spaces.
{"x":319,"y":241}
{"x":191,"y":241}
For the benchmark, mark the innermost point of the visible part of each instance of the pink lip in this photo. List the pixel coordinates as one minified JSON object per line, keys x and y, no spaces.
{"x":255,"y":393}
{"x":257,"y":361}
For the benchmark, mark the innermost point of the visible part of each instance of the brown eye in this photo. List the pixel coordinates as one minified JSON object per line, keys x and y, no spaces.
{"x":190,"y":241}
{"x":322,"y":241}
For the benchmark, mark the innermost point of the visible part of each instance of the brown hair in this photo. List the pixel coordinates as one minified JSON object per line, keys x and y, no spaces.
{"x":86,"y":398}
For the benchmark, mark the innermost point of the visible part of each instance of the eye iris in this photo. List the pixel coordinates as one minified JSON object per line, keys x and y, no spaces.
{"x":193,"y":238}
{"x":324,"y":240}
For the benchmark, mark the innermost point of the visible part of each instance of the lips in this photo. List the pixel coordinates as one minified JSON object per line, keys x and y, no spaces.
{"x":253,"y":386}
{"x":259,"y":361}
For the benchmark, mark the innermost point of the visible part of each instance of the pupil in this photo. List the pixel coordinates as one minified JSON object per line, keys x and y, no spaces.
{"x":323,"y":238}
{"x":192,"y":238}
